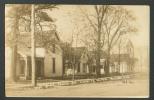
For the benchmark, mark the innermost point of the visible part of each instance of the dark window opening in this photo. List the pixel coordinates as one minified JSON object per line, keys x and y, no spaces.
{"x":54,"y":49}
{"x":84,"y":67}
{"x":39,"y":67}
{"x":93,"y":68}
{"x":53,"y":65}
{"x":78,"y":67}
{"x":22,"y":67}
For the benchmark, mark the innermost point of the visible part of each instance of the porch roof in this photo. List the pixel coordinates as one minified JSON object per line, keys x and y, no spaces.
{"x":40,"y":52}
{"x":123,"y":57}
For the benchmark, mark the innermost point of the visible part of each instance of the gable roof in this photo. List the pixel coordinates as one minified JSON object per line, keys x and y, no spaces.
{"x":129,"y":44}
{"x":24,"y":39}
{"x":103,"y":54}
{"x":79,"y":51}
{"x":123,"y":57}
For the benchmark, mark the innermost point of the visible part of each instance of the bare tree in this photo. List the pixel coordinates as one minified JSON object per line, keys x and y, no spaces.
{"x":108,"y":24}
{"x":121,"y":43}
{"x":68,"y":53}
{"x":116,"y":24}
{"x":98,"y":37}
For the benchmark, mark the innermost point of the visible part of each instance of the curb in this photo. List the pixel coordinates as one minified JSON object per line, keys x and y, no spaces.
{"x":82,"y":81}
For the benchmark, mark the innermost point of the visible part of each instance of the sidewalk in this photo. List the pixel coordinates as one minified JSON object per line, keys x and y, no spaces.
{"x":51,"y":83}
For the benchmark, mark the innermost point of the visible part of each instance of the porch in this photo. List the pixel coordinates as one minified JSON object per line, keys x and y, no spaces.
{"x":24,"y":68}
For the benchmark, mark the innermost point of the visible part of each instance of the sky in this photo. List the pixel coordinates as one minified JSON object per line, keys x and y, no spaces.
{"x":66,"y":13}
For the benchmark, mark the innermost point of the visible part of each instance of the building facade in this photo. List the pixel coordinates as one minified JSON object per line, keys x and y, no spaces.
{"x":48,"y":60}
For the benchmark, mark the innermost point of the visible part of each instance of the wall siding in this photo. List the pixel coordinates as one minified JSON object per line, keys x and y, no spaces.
{"x":48,"y":64}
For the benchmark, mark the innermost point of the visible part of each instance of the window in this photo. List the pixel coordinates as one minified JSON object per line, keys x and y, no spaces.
{"x":53,"y":65}
{"x":84,"y":67}
{"x":22,"y":67}
{"x":39,"y":67}
{"x":78,"y":67}
{"x":94,"y":68}
{"x":53,"y":46}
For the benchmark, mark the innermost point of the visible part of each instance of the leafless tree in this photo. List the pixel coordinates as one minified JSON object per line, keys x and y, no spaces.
{"x":116,"y":24}
{"x":98,"y":35}
{"x":108,"y":23}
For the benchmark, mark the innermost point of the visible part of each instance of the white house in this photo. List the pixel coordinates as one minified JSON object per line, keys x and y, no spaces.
{"x":123,"y":62}
{"x":48,"y":62}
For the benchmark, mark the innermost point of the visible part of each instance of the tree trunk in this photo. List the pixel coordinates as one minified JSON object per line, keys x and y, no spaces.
{"x":98,"y":52}
{"x":63,"y":69}
{"x":119,"y":57}
{"x":98,"y":65}
{"x":107,"y":67}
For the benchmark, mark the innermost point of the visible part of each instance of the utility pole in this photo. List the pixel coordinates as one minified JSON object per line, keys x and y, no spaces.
{"x":140,"y":63}
{"x":75,"y":54}
{"x":119,"y":54}
{"x":33,"y":45}
{"x":122,"y":69}
{"x":73,"y":67}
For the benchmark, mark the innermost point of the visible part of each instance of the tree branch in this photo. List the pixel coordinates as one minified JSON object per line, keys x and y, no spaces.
{"x":115,"y":33}
{"x":90,"y":21}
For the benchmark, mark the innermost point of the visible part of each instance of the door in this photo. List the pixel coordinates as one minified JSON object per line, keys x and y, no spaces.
{"x":39,"y":67}
{"x":22,"y":67}
{"x":39,"y":63}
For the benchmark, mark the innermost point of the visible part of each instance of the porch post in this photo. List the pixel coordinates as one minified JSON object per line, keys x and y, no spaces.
{"x":26,"y":68}
{"x":81,"y":67}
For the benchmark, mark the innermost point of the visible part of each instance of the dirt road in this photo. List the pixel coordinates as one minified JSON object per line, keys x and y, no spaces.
{"x":103,"y":89}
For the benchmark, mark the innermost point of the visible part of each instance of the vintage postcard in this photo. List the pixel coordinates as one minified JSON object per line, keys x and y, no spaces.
{"x":77,"y":50}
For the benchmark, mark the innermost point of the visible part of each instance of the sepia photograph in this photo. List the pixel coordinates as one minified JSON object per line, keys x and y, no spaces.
{"x":60,"y":50}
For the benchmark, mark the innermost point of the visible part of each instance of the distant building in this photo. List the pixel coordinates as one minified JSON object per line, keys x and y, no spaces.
{"x":125,"y":61}
{"x":78,"y":61}
{"x":85,"y":62}
{"x":120,"y":63}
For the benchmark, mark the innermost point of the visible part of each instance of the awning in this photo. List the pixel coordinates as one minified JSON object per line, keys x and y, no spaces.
{"x":40,"y":52}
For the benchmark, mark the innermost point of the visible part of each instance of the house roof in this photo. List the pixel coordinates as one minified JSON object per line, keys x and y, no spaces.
{"x":103,"y":54}
{"x":25,"y":52}
{"x":24,"y":39}
{"x":79,"y":51}
{"x":123,"y":57}
{"x":24,"y":43}
{"x":129,"y":44}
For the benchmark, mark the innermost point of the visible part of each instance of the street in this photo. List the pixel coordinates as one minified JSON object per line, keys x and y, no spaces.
{"x":135,"y":87}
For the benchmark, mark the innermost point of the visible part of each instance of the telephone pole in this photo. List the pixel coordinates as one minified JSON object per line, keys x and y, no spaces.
{"x":119,"y":55}
{"x":33,"y":45}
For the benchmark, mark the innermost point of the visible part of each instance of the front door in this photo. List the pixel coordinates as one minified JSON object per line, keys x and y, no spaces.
{"x":39,"y":62}
{"x":39,"y":67}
